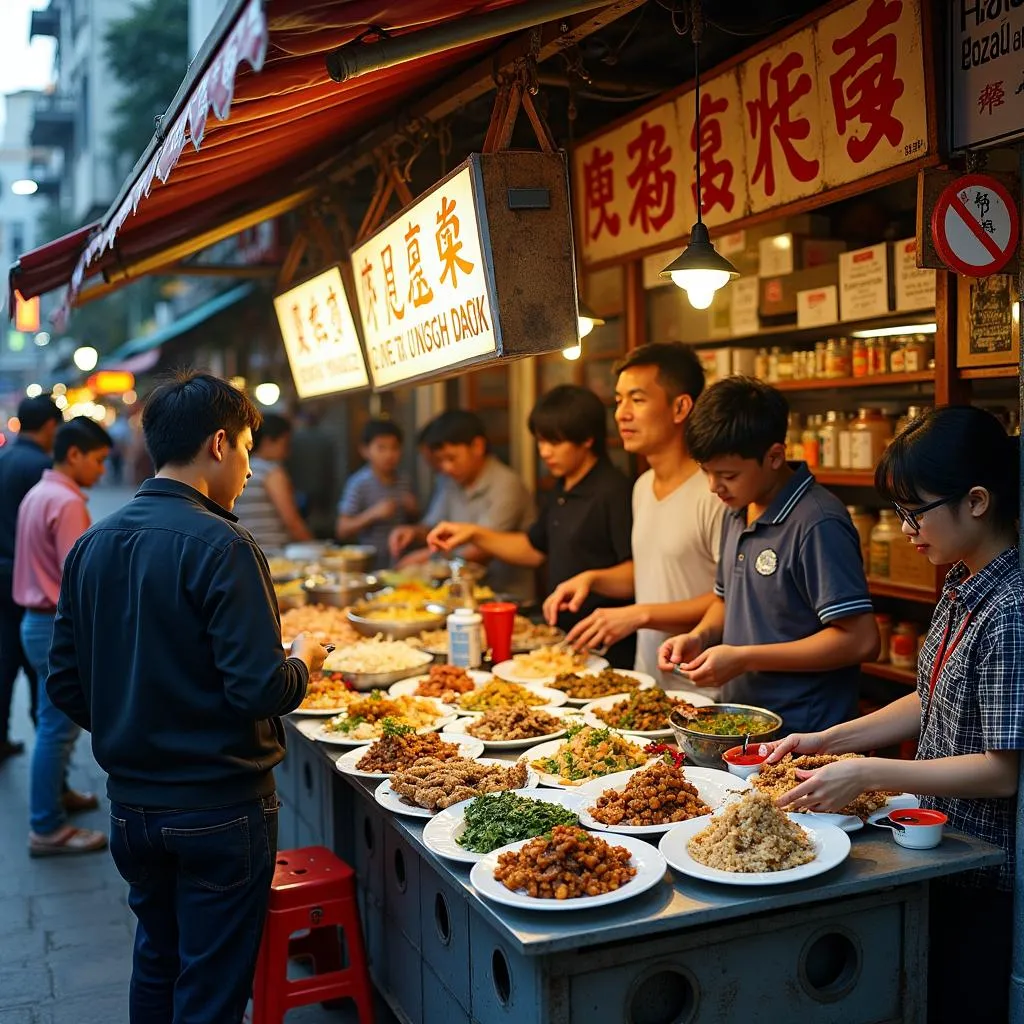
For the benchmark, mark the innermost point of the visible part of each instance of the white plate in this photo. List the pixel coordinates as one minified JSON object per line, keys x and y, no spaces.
{"x":604,"y":703}
{"x":549,"y":748}
{"x":346,"y":764}
{"x":646,"y":683}
{"x":458,"y":728}
{"x":318,"y":712}
{"x":407,"y":687}
{"x":831,"y":847}
{"x":714,"y":787}
{"x":554,"y":699}
{"x":445,"y":716}
{"x":442,"y":832}
{"x":509,"y":671}
{"x":391,"y":801}
{"x":650,"y":871}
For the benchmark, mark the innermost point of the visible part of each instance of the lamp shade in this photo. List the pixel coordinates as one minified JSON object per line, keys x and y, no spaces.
{"x":700,"y":270}
{"x":588,"y":319}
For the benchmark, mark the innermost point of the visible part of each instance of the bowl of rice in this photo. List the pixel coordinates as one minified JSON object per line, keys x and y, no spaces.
{"x":395,"y":621}
{"x":376,"y":663}
{"x":704,"y":736}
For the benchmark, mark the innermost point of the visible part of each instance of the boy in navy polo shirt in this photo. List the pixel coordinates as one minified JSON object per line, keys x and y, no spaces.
{"x":793,"y":619}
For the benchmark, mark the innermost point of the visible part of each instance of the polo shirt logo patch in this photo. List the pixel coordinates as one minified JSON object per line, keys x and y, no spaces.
{"x":767,"y":562}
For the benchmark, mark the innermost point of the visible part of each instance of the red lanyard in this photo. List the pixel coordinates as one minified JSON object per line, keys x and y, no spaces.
{"x":944,"y":653}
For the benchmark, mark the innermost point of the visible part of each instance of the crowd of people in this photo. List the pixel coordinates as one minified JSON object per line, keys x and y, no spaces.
{"x":722,"y":567}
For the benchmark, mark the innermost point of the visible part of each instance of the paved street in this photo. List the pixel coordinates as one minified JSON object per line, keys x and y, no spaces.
{"x":65,"y":928}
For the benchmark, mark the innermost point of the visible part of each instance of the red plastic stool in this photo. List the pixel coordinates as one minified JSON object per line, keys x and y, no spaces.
{"x":314,"y":892}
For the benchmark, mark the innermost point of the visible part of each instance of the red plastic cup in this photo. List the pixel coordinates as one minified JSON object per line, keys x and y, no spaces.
{"x":499,"y":618}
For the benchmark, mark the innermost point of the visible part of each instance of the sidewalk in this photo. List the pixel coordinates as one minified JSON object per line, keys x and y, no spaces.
{"x":66,"y":931}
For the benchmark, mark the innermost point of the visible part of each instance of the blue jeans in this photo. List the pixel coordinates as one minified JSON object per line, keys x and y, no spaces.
{"x":55,"y":733}
{"x":199,"y":885}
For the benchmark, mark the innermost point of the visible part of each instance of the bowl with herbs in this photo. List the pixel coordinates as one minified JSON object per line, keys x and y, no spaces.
{"x":705,"y":733}
{"x":468,"y":831}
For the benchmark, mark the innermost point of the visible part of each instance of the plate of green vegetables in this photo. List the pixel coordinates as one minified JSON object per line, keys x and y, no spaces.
{"x":468,"y":831}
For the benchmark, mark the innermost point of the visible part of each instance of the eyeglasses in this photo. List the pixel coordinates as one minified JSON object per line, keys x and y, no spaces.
{"x":911,"y":516}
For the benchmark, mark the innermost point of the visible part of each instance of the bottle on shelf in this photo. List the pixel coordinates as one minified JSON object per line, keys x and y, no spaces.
{"x":828,"y":439}
{"x":918,"y":350}
{"x":820,"y":358}
{"x":870,"y":433}
{"x":898,"y":356}
{"x":863,"y":520}
{"x":859,"y":358}
{"x":795,"y":439}
{"x":761,"y":364}
{"x":884,"y":533}
{"x":812,"y":442}
{"x":903,"y":648}
{"x":773,"y":364}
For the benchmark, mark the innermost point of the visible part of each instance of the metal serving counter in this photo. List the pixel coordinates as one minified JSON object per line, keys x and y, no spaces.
{"x":850,"y":945}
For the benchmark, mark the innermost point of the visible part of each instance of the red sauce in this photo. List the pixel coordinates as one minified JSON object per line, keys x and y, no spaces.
{"x":744,"y":759}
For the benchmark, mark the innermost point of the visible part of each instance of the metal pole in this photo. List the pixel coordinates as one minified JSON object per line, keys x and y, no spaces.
{"x":361,"y":58}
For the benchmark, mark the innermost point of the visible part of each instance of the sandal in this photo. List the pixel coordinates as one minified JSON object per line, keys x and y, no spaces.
{"x":66,"y":840}
{"x":77,"y":803}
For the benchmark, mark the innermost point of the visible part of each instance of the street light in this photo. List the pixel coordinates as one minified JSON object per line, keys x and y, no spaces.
{"x":267,"y":393}
{"x":86,"y":358}
{"x":33,"y":391}
{"x":24,"y":187}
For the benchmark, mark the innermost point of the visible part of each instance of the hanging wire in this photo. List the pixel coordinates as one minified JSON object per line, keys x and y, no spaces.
{"x":697,"y":27}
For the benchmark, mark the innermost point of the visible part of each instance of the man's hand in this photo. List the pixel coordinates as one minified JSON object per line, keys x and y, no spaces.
{"x":447,"y":537}
{"x":417,"y":557}
{"x":795,"y":743}
{"x":567,"y":596}
{"x":309,"y":651}
{"x":604,"y":627}
{"x":827,"y":789}
{"x":385,"y":509}
{"x":678,"y":649}
{"x":400,"y":538}
{"x":715,"y":666}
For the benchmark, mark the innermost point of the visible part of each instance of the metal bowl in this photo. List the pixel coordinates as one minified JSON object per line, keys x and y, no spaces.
{"x":340,"y":589}
{"x":306,"y":551}
{"x":432,"y":618}
{"x":364,"y":681}
{"x":349,"y":558}
{"x":705,"y":749}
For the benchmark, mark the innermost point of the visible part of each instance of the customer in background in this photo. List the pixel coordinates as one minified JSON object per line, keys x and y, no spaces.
{"x":486,"y":493}
{"x":586,"y":519}
{"x":676,"y":522}
{"x":53,"y":516}
{"x":376,"y":498}
{"x":167,"y":647}
{"x":792,"y":618}
{"x":21,"y":467}
{"x":267,"y":507}
{"x":953,"y":477}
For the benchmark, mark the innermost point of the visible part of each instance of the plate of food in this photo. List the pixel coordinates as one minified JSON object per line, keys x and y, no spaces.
{"x":779,"y":778}
{"x":325,"y":696}
{"x":545,"y":663}
{"x":586,"y":753}
{"x":643,"y":712}
{"x":528,"y":636}
{"x":430,"y":785}
{"x":588,"y":871}
{"x":364,"y":716}
{"x":468,"y":831}
{"x":327,"y":625}
{"x":400,"y":747}
{"x":499,"y":693}
{"x":445,"y":682}
{"x":651,"y":800}
{"x":590,"y":684}
{"x":375,"y":663}
{"x":512,"y":728}
{"x":751,"y":842}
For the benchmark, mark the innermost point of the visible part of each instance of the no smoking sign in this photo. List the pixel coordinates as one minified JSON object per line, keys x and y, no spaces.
{"x":975,"y":225}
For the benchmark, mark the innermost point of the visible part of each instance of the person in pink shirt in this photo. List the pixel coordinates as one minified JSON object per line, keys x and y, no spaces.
{"x":51,"y":518}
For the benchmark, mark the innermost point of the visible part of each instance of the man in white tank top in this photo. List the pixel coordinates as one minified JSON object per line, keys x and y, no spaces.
{"x":677,"y":523}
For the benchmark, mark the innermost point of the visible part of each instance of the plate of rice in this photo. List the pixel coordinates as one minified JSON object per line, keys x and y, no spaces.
{"x":751,"y":842}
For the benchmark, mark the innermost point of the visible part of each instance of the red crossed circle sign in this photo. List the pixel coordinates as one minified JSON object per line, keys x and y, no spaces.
{"x":975,"y":225}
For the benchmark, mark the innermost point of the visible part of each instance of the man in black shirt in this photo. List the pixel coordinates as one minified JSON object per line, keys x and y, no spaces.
{"x":21,"y":467}
{"x":167,"y":647}
{"x":588,"y":516}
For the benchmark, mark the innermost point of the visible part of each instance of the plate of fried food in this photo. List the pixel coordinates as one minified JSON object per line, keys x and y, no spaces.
{"x":586,"y":753}
{"x":583,"y":687}
{"x":399,"y":747}
{"x":445,"y":682}
{"x":651,"y":800}
{"x":327,"y":625}
{"x":430,"y":785}
{"x":499,"y":693}
{"x":325,"y":696}
{"x":779,"y":778}
{"x":512,"y":728}
{"x":544,"y":664}
{"x":568,"y":868}
{"x":750,"y":841}
{"x":362,"y":721}
{"x":466,"y":832}
{"x":528,"y":636}
{"x":643,"y":712}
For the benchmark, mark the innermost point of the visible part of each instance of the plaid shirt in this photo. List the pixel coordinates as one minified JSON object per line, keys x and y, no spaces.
{"x":978,"y":703}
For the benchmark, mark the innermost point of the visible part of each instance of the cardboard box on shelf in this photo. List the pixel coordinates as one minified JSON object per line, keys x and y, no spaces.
{"x":789,"y":252}
{"x":817,"y":307}
{"x":743,"y":248}
{"x":864,"y":282}
{"x":778,"y":294}
{"x":915,"y":288}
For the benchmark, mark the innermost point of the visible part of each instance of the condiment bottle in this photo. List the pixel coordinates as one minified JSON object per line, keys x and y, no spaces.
{"x":464,"y":646}
{"x":918,"y":350}
{"x":869,"y":435}
{"x":860,"y":357}
{"x":828,"y":435}
{"x":903,"y":650}
{"x":898,"y":356}
{"x":811,"y":442}
{"x":795,"y":439}
{"x":761,"y":364}
{"x":886,"y":531}
{"x":820,"y":358}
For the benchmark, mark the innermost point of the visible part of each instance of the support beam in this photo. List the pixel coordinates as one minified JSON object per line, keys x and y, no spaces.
{"x":254,"y":272}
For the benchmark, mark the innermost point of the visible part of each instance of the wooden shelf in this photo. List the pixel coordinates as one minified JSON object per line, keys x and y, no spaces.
{"x":879,"y":380}
{"x":844,"y":477}
{"x":987,"y":373}
{"x":893,"y":674}
{"x":887,"y":588}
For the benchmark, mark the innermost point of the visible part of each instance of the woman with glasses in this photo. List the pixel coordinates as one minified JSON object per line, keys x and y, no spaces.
{"x":954,"y":478}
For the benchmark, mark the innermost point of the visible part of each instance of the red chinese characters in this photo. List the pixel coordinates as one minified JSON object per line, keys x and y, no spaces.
{"x":448,"y":245}
{"x":991,"y":96}
{"x":652,"y":181}
{"x":771,"y":119}
{"x":866,"y":86}
{"x":598,"y":194}
{"x":716,"y":174}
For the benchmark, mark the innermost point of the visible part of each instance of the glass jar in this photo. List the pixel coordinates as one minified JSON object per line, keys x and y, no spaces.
{"x":812,"y":444}
{"x":859,"y":358}
{"x":885,"y":636}
{"x":820,"y":358}
{"x":878,"y":359}
{"x":870,"y":432}
{"x":761,"y":364}
{"x":837,"y":358}
{"x":903,"y":649}
{"x":898,"y":356}
{"x":795,"y":439}
{"x":828,"y":436}
{"x":773,"y":364}
{"x":916,"y":353}
{"x":884,"y":533}
{"x":863,"y":520}
{"x":785,"y":365}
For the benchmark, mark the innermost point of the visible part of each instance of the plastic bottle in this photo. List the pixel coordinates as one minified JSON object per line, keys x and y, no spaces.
{"x":464,"y":647}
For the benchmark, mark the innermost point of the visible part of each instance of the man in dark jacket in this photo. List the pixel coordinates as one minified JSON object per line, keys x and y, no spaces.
{"x":21,"y":467}
{"x":167,"y":647}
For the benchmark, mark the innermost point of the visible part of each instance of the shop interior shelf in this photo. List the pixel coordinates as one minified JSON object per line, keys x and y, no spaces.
{"x":890,"y":672}
{"x":876,"y":381}
{"x":845,"y":477}
{"x":812,"y":334}
{"x":988,"y":372}
{"x":887,"y":588}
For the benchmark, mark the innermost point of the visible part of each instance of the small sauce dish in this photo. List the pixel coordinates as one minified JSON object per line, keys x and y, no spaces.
{"x":915,"y":828}
{"x":744,"y":765}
